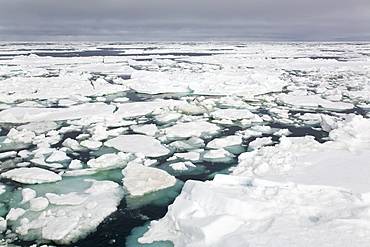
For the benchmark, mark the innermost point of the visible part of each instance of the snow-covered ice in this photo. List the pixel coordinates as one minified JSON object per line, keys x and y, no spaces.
{"x":31,"y":175}
{"x":146,"y":145}
{"x":89,"y":128}
{"x":140,"y":180}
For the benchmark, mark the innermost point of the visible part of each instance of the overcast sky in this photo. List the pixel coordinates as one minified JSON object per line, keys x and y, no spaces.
{"x":190,"y":20}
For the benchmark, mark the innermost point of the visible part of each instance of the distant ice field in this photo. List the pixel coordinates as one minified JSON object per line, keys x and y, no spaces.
{"x":184,"y":144}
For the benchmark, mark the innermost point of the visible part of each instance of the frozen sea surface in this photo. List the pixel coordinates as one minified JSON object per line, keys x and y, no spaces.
{"x":184,"y":144}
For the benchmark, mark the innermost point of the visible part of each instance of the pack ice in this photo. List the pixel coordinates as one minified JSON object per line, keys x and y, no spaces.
{"x":254,"y":144}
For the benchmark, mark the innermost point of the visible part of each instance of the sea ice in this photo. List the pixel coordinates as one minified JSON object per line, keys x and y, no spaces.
{"x":31,"y":175}
{"x":189,"y":144}
{"x":218,"y":155}
{"x":58,"y":156}
{"x":146,"y":145}
{"x":110,"y":161}
{"x":66,"y":218}
{"x":140,"y":180}
{"x":209,"y":214}
{"x":191,"y":129}
{"x":225,"y":142}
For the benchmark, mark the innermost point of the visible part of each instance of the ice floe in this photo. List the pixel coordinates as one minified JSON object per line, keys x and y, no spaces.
{"x":140,"y":180}
{"x":146,"y":145}
{"x":236,"y":211}
{"x":86,"y":128}
{"x":31,"y":175}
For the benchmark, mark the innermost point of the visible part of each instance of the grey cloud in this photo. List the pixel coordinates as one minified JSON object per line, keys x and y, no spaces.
{"x":185,"y":20}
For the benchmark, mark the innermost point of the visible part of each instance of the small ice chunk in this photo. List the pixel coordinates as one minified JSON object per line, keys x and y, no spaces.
{"x":225,"y":142}
{"x":3,"y":224}
{"x":8,"y":154}
{"x":41,"y":162}
{"x":184,"y":130}
{"x":27,"y":194}
{"x":32,"y":175}
{"x":147,"y":145}
{"x":91,"y":144}
{"x":15,"y":213}
{"x":75,"y":165}
{"x":109,"y":161}
{"x":192,"y":156}
{"x":282,"y":132}
{"x":23,"y":136}
{"x":192,"y":143}
{"x":259,"y":142}
{"x":72,"y":144}
{"x":148,"y":129}
{"x":140,"y":180}
{"x":218,"y":155}
{"x":101,"y":186}
{"x":38,"y":204}
{"x":182,"y":166}
{"x":58,"y":156}
{"x":327,"y":123}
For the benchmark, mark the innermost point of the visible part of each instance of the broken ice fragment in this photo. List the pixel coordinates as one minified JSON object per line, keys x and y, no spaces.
{"x":140,"y":180}
{"x":147,"y":145}
{"x":58,"y":156}
{"x":218,"y":155}
{"x":32,"y":175}
{"x":198,"y":129}
{"x":109,"y":161}
{"x":225,"y":142}
{"x":38,"y":204}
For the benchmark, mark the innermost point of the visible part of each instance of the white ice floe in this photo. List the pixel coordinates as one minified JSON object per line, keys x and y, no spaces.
{"x":66,"y":218}
{"x":58,"y":156}
{"x":146,"y":145}
{"x":15,"y":213}
{"x":218,"y":155}
{"x":192,"y":156}
{"x":110,"y":161}
{"x":191,"y":129}
{"x":31,"y":175}
{"x":91,"y":144}
{"x":313,"y":101}
{"x":259,"y":142}
{"x":189,"y":144}
{"x":182,"y":166}
{"x":225,"y":142}
{"x":27,"y":195}
{"x":23,"y":136}
{"x":140,"y":180}
{"x":236,"y":211}
{"x":38,"y":204}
